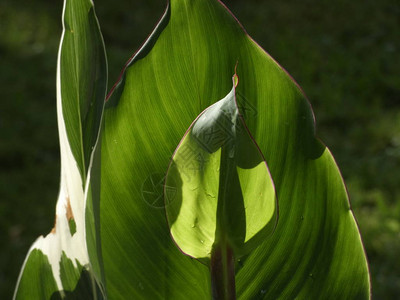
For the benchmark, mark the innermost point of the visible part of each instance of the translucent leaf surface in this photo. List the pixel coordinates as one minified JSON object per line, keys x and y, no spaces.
{"x":222,"y":189}
{"x":111,"y":236}
{"x":185,"y":67}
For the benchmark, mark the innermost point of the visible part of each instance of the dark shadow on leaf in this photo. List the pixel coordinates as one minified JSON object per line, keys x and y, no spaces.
{"x":83,"y":290}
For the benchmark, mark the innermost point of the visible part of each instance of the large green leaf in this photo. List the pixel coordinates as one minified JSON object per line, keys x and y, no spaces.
{"x":184,"y":67}
{"x":59,"y":264}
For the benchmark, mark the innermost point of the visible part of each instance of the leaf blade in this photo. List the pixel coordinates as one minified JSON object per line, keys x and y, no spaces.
{"x":202,"y":40}
{"x":81,"y":84}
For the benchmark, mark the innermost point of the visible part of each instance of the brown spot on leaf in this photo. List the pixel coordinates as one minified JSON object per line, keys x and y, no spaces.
{"x":70,"y":218}
{"x":70,"y":215}
{"x":53,"y":230}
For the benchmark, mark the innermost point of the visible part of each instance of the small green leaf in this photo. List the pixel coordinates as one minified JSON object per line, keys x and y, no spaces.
{"x":224,"y":190}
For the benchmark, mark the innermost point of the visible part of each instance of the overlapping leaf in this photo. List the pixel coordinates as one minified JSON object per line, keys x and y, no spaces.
{"x":218,"y":190}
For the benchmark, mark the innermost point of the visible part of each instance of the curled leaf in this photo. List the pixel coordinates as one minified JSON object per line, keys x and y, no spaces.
{"x":224,"y":190}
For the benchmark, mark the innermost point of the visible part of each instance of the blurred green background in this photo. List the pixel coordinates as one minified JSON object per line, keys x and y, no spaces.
{"x":344,"y":54}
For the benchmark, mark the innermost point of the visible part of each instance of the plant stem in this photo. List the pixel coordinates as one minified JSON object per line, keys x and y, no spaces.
{"x":222,"y":266}
{"x":223,"y":273}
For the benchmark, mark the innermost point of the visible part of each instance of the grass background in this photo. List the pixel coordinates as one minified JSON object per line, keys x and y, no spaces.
{"x":344,"y":54}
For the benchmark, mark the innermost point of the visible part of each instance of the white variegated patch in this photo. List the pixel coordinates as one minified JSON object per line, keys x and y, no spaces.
{"x":70,"y":205}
